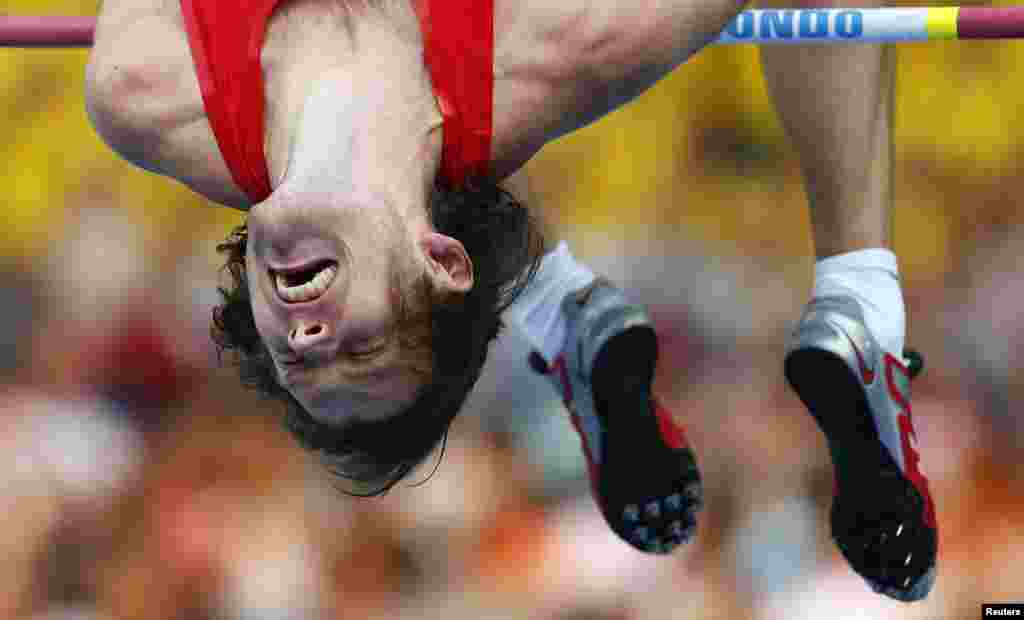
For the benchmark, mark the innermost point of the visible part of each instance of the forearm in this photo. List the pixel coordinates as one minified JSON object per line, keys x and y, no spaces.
{"x":836,"y":104}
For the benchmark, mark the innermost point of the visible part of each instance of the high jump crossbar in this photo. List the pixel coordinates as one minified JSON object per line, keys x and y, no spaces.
{"x":757,"y":26}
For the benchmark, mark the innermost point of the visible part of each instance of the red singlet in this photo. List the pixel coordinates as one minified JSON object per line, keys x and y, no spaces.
{"x":458,"y":51}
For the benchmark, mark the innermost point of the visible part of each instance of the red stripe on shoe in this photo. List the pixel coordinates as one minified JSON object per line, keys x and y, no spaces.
{"x":911,"y":457}
{"x":562,"y":372}
{"x":671,"y":432}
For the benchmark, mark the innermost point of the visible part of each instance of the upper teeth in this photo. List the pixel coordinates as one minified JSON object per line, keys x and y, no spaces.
{"x":309,"y":290}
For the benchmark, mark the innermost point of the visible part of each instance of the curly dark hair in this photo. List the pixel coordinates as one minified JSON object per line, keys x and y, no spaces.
{"x":505,"y":245}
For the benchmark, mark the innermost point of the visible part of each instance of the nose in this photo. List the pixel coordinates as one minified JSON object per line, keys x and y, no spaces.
{"x":306,"y":336}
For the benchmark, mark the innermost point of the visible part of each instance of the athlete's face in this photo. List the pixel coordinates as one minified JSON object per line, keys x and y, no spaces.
{"x":345,"y":225}
{"x":322,"y":284}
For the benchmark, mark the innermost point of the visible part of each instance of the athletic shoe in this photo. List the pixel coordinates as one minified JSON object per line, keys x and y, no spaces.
{"x":643,"y":473}
{"x":883,"y":517}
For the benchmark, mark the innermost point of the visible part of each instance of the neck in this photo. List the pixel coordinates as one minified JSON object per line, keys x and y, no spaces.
{"x":350,"y":105}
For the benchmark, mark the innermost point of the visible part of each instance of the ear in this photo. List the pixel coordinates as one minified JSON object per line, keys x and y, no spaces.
{"x":450,"y":263}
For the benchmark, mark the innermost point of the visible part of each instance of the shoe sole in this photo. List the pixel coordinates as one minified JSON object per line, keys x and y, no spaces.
{"x":887,"y":543}
{"x":649,"y":492}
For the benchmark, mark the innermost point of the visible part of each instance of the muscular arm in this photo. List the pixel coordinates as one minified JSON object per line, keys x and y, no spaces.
{"x":608,"y":52}
{"x":560,"y":66}
{"x":143,"y":98}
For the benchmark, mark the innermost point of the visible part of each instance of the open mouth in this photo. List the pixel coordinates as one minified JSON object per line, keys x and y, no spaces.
{"x":305,"y":283}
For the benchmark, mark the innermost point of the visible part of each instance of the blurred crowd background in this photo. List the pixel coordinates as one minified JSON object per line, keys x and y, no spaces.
{"x":139,"y":481}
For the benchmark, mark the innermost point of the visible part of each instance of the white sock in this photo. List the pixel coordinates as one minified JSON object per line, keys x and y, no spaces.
{"x":537,"y":312}
{"x":872,"y":277}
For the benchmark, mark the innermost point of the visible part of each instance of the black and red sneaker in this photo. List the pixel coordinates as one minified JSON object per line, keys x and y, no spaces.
{"x":643,"y":472}
{"x":883,"y":517}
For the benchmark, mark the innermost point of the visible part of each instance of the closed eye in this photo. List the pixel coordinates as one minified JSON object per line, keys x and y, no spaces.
{"x":361,"y":353}
{"x":369,"y":350}
{"x":360,"y":359}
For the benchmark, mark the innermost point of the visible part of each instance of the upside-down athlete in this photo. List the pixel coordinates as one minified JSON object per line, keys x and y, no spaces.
{"x":368,"y":141}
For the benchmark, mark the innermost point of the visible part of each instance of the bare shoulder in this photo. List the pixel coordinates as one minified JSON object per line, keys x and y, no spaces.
{"x":140,"y":52}
{"x":143,"y":97}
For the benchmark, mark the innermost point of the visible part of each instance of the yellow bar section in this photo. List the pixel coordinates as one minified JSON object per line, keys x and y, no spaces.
{"x":940,"y":22}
